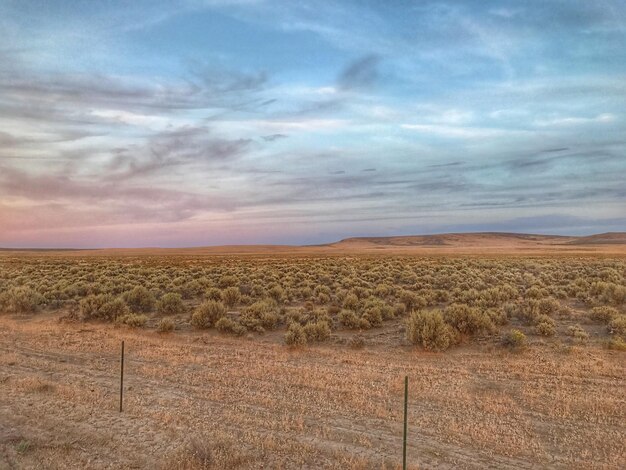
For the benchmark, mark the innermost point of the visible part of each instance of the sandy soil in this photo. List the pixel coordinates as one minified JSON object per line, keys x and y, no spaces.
{"x":256,"y":404}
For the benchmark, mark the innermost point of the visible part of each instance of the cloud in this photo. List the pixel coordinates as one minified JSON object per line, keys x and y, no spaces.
{"x":548,"y":224}
{"x":459,"y":132}
{"x":190,"y":146}
{"x":274,"y":137}
{"x":576,"y":120}
{"x":81,"y":202}
{"x":300,"y":124}
{"x":360,"y":74}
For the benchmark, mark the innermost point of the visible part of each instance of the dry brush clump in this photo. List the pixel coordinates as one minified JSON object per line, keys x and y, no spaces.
{"x":296,"y":335}
{"x":140,"y":299}
{"x":617,"y":326}
{"x":21,"y":300}
{"x":102,"y":307}
{"x":317,"y":331}
{"x":227,"y":325}
{"x":514,"y":340}
{"x":170,"y":304}
{"x":134,"y":320}
{"x":207,"y":314}
{"x":166,"y":325}
{"x":429,"y":330}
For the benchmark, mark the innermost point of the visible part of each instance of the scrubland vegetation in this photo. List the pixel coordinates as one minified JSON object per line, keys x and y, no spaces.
{"x":440,"y":302}
{"x":298,"y":362}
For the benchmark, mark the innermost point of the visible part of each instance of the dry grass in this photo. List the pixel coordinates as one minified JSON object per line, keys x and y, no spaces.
{"x":324,"y":407}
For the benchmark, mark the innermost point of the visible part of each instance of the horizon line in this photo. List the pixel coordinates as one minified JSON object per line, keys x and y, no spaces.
{"x":286,"y":245}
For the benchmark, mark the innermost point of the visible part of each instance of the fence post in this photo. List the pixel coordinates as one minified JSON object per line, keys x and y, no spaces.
{"x":406,"y":407}
{"x":122,"y":378}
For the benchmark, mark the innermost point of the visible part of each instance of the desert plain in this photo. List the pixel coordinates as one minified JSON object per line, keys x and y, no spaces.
{"x":295,"y":357}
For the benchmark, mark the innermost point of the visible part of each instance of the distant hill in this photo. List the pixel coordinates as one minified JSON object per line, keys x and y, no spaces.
{"x":460,"y":239}
{"x":445,"y":243}
{"x":609,"y":238}
{"x":495,"y":241}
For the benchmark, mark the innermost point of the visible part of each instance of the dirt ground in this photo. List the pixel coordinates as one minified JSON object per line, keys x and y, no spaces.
{"x":202,"y":400}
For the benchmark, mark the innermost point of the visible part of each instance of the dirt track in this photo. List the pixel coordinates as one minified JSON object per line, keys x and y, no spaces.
{"x":326,"y":407}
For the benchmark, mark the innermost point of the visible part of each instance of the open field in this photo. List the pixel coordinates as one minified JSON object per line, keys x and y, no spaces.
{"x":323,"y":407}
{"x":210,"y":382}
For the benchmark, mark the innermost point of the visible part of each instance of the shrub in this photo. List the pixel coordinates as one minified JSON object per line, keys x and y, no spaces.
{"x":545,"y":319}
{"x":510,"y":309}
{"x":277,"y":294}
{"x":260,"y":307}
{"x":322,"y":298}
{"x":102,"y":307}
{"x":351,"y":320}
{"x":617,"y":326}
{"x":231,"y":296}
{"x":20,"y":300}
{"x":528,"y":311}
{"x":166,"y":325}
{"x":429,"y":330}
{"x":207,"y":314}
{"x":578,"y":333}
{"x":373,"y":315}
{"x":497,"y":316}
{"x":545,"y":328}
{"x":357,"y":342}
{"x":112,"y":309}
{"x":383,"y":290}
{"x":295,"y":336}
{"x":514,"y":339}
{"x":386,"y":311}
{"x":534,"y":293}
{"x":170,"y":304}
{"x":467,"y":320}
{"x":603,"y":314}
{"x":227,"y":281}
{"x":317,"y":331}
{"x":261,"y":315}
{"x":548,"y":306}
{"x":297,"y":316}
{"x":616,"y":343}
{"x":140,"y":299}
{"x":608,"y":292}
{"x":251,"y":323}
{"x":89,"y":306}
{"x":214,"y":294}
{"x":411,"y":300}
{"x":351,"y":302}
{"x":226,"y":325}
{"x":399,"y":309}
{"x":134,"y":320}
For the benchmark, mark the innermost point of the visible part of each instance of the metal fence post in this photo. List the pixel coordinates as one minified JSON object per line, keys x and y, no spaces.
{"x":406,"y":408}
{"x":122,"y":378}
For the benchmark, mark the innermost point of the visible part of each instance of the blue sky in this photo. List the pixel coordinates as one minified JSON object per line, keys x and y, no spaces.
{"x":198,"y":122}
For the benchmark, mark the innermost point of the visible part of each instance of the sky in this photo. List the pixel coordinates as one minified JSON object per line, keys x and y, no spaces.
{"x":203,"y":122}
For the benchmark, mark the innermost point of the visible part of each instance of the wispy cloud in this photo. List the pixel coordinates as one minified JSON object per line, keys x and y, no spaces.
{"x":361,"y":73}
